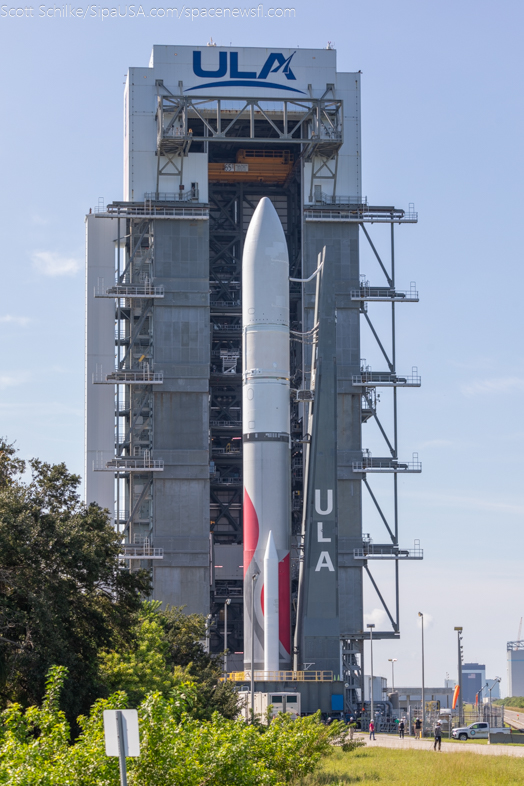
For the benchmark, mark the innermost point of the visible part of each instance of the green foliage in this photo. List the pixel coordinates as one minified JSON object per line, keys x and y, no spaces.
{"x":511,"y":701}
{"x":351,"y":745}
{"x":65,"y":599}
{"x":63,"y":594}
{"x":177,"y":749}
{"x":164,"y":649}
{"x":184,"y":634}
{"x":142,"y":666}
{"x":295,"y":747}
{"x":10,"y":464}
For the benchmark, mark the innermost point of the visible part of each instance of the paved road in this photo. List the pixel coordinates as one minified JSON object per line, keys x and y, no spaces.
{"x":389,"y":741}
{"x":515,"y":719}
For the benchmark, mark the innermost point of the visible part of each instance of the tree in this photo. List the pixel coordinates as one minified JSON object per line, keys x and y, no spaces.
{"x":63,"y":592}
{"x":185,"y":634}
{"x":163,"y":650}
{"x":10,"y":464}
{"x":141,"y":667}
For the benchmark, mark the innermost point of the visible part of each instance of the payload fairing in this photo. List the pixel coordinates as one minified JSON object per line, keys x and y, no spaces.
{"x":266,"y":441}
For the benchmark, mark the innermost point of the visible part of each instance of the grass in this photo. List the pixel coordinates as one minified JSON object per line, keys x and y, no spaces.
{"x":417,"y":768}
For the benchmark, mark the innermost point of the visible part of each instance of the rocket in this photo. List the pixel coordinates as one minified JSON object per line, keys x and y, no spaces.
{"x":266,"y":442}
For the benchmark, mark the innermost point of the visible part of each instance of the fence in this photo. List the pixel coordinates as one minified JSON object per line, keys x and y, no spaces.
{"x":494,"y":715}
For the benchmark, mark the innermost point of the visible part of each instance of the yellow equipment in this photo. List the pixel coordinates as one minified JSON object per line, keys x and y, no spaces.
{"x":254,"y":166}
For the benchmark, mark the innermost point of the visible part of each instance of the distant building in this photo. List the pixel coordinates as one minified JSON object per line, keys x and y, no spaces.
{"x":515,"y":668}
{"x":473,"y":679}
{"x":412,"y":697}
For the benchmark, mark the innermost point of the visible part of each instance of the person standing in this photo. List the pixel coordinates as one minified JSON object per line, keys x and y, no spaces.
{"x":418,"y":728}
{"x":401,"y":729}
{"x":372,"y":729}
{"x":438,"y":736}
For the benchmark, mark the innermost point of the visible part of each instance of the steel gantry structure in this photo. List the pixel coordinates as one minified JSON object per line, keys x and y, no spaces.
{"x":164,"y":331}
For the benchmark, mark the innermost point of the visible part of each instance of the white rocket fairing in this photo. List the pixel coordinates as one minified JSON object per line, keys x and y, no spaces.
{"x":266,"y":443}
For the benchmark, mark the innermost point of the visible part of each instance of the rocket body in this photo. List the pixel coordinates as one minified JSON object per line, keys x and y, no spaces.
{"x":266,"y":441}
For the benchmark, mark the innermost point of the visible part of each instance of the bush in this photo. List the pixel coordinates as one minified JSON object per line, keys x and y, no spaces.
{"x":177,"y":749}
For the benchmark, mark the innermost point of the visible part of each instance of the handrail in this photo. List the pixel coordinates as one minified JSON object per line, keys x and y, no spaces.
{"x":281,"y":676}
{"x":141,"y":552}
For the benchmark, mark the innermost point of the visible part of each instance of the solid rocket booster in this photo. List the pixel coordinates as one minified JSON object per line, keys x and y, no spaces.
{"x":271,"y":638}
{"x":266,"y":442}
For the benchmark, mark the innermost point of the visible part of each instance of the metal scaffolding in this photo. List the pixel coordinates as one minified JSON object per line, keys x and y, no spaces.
{"x":133,"y":378}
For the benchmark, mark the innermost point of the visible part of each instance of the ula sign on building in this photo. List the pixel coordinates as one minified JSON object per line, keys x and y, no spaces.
{"x":275,"y":63}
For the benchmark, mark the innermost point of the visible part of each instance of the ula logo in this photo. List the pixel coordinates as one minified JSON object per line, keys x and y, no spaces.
{"x":276,"y":62}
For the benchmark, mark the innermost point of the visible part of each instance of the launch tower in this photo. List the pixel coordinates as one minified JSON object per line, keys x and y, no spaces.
{"x":210,"y":131}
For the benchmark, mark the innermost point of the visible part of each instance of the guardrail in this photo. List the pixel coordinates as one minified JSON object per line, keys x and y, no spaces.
{"x":134,"y":552}
{"x":152,"y":211}
{"x":366,"y":215}
{"x":370,"y":464}
{"x":388,"y":552}
{"x":376,"y":379}
{"x":376,"y":293}
{"x":137,"y":377}
{"x":129,"y":465}
{"x":281,"y":676}
{"x":129,"y":291}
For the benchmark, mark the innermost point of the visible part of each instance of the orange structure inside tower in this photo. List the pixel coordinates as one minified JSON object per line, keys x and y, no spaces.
{"x":254,"y":166}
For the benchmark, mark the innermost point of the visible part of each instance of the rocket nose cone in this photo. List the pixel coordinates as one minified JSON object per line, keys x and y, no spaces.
{"x":264,"y":207}
{"x":265,"y":221}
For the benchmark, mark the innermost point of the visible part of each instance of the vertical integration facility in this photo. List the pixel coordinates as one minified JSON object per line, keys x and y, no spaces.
{"x":473,"y":680}
{"x":208,"y":133}
{"x":515,"y":663}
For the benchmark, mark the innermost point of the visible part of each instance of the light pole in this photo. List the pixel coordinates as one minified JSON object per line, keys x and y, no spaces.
{"x":372,"y":715}
{"x":459,"y":675}
{"x":253,"y":582}
{"x":226,"y":604}
{"x":494,"y":682}
{"x":421,"y":615}
{"x":392,"y":661}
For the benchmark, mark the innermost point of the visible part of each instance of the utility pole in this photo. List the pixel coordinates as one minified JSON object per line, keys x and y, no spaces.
{"x":493,"y":683}
{"x":392,"y":661}
{"x":421,"y":615}
{"x":372,"y":716}
{"x":460,"y":706}
{"x":226,"y":604}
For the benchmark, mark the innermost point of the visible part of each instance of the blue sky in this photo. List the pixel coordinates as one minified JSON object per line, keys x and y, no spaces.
{"x":442,"y":121}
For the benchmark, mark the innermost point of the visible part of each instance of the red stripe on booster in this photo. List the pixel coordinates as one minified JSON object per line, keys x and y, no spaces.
{"x":284,"y":604}
{"x":250,"y":531}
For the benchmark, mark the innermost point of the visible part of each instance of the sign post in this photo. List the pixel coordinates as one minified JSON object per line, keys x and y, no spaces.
{"x":122,"y":737}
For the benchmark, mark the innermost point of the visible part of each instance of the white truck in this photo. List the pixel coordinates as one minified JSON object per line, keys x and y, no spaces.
{"x":477,"y":731}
